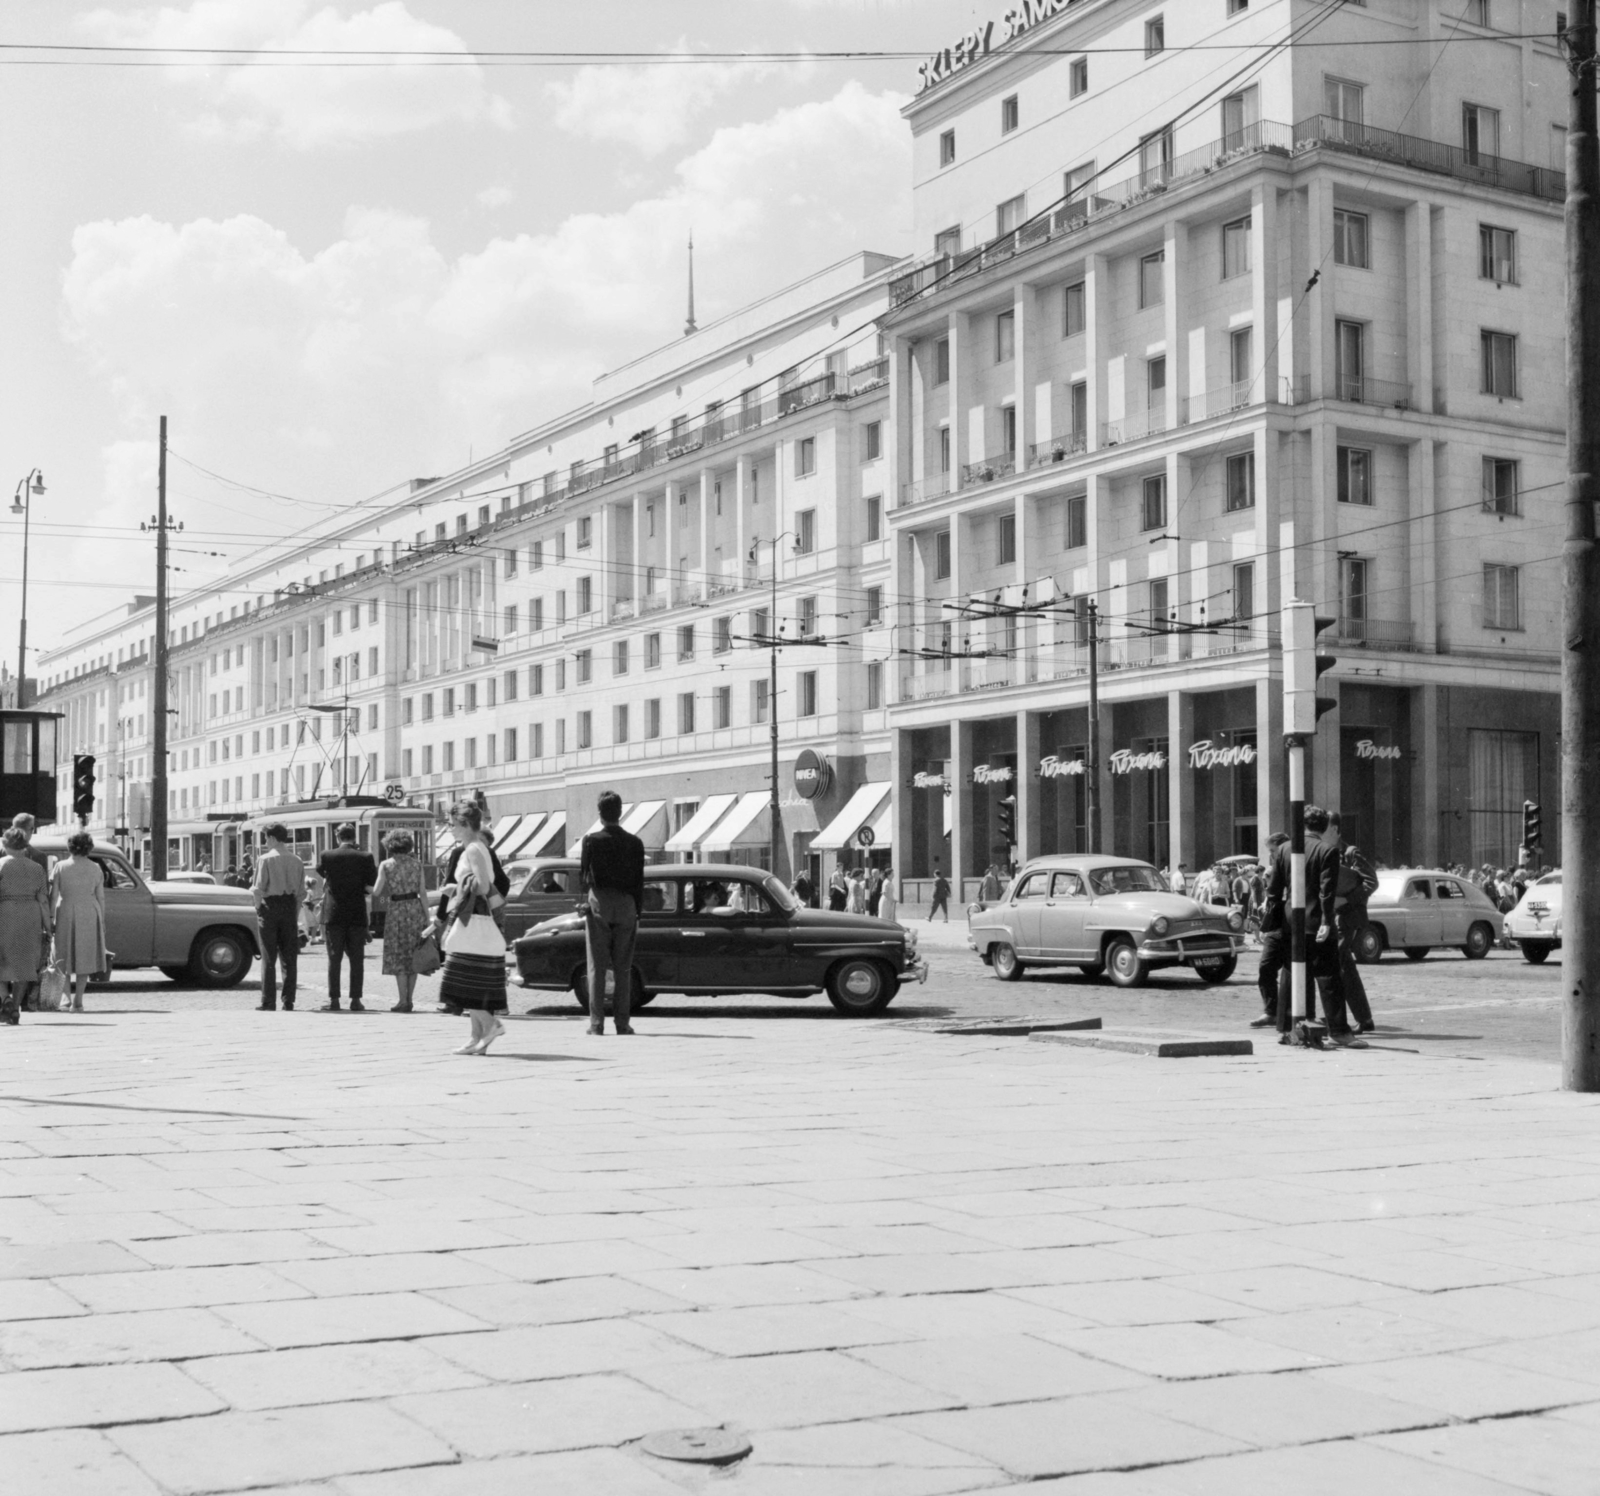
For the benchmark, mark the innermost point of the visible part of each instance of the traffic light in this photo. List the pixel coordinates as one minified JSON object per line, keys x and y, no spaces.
{"x":1006,"y":822}
{"x":83,"y":784}
{"x":1303,"y":667}
{"x":1532,"y":825}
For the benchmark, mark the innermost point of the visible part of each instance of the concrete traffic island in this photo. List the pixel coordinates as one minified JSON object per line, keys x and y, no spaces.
{"x":1132,"y":1041}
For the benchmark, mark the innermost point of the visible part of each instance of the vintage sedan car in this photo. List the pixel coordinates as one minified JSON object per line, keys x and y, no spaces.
{"x":198,"y":932}
{"x":1104,"y":914}
{"x":710,"y":930}
{"x":541,"y":889}
{"x":1417,"y":911}
{"x":191,"y":877}
{"x":1535,"y":924}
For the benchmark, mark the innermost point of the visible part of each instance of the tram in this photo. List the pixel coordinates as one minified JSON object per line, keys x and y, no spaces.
{"x":28,"y":764}
{"x":312,"y":825}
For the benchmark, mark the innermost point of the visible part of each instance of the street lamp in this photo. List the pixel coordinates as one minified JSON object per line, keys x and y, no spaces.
{"x":28,"y":488}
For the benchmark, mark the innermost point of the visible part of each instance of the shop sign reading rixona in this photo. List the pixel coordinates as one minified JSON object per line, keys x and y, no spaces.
{"x":1366,"y":748}
{"x":1206,"y":755}
{"x":1126,"y":761}
{"x":991,"y":774}
{"x":1053,"y":766}
{"x":980,"y":43}
{"x":922,"y":780}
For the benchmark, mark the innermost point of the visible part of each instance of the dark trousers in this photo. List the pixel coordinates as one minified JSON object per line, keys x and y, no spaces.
{"x":611,"y":924}
{"x":1272,"y":978}
{"x":940,"y":901}
{"x":279,"y":923}
{"x":346,"y":941}
{"x":1316,"y":978}
{"x":1355,"y":990}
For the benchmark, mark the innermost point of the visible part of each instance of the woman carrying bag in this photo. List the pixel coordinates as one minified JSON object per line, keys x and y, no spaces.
{"x":399,"y":894}
{"x":79,"y":890}
{"x":474,"y":949}
{"x":24,"y":921}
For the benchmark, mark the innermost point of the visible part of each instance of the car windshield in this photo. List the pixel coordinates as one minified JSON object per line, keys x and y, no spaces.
{"x":1129,"y":879}
{"x":779,"y":895}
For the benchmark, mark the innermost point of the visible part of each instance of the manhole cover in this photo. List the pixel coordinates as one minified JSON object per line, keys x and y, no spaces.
{"x":699,"y":1446}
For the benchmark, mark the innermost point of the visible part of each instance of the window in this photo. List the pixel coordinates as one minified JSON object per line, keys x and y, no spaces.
{"x":760,"y":628}
{"x":1500,"y":364}
{"x":947,"y":148}
{"x":1241,"y":481}
{"x":1155,"y":36}
{"x":1008,"y":215}
{"x":536,"y":680}
{"x":759,"y":697}
{"x":1156,"y":384}
{"x":561,"y":675}
{"x":585,"y":729}
{"x":683,"y":508}
{"x":1241,"y":113}
{"x":619,"y":723}
{"x":874,"y":606}
{"x":1073,"y":310}
{"x":874,"y":517}
{"x":1153,"y":510}
{"x":686,"y":712}
{"x":722,"y":706}
{"x":1160,"y":612}
{"x":1078,"y":77}
{"x":1502,"y":604}
{"x":1355,"y":475}
{"x":1077,"y":521}
{"x":941,"y":361}
{"x":874,"y":685}
{"x":585,"y":532}
{"x":944,"y":449}
{"x":721,"y":635}
{"x":585,"y":666}
{"x":652,"y":651}
{"x":652,"y":717}
{"x":1236,"y":6}
{"x":686,"y":641}
{"x":585,"y":595}
{"x":941,"y":555}
{"x":1005,"y":337}
{"x":427,"y":759}
{"x":1497,"y":254}
{"x":511,"y":683}
{"x":805,"y":532}
{"x":406,"y":763}
{"x":449,"y":708}
{"x":805,"y":457}
{"x":1078,"y":400}
{"x":1152,"y":279}
{"x":874,"y":441}
{"x":1349,"y":360}
{"x":511,"y":745}
{"x":806,"y":681}
{"x":448,"y":753}
{"x":1353,"y":585}
{"x":808,"y":617}
{"x":1343,"y":101}
{"x":536,"y":555}
{"x":536,"y":615}
{"x":1236,"y":248}
{"x":1008,"y":430}
{"x":471,"y":697}
{"x":1240,"y":360}
{"x":1006,"y":540}
{"x":1244,"y":592}
{"x":1501,"y":483}
{"x":510,"y":625}
{"x":536,"y":740}
{"x":427,"y":706}
{"x":1155,"y":157}
{"x":947,"y":241}
{"x":1010,"y":115}
{"x":469,"y":756}
{"x":1350,"y":239}
{"x":1480,"y":133}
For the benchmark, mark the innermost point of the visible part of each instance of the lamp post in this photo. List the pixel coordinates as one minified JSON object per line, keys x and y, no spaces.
{"x":27,"y":489}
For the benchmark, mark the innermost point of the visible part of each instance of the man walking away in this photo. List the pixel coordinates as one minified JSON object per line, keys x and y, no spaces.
{"x":941,"y":895}
{"x":280,"y":890}
{"x":1272,"y":974}
{"x":347,"y":872}
{"x":611,"y":874}
{"x":1322,"y":951}
{"x":1357,"y":883}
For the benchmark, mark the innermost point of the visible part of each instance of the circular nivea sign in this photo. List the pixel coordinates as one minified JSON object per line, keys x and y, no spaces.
{"x":812,"y":776}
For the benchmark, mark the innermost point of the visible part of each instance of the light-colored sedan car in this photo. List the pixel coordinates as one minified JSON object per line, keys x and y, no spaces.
{"x":1535,"y":924}
{"x":1418,"y":911}
{"x":1103,"y":914}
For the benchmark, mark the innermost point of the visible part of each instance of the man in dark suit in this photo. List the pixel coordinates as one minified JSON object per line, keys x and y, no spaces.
{"x":348,"y":874}
{"x":611,"y":874}
{"x":1322,"y":888}
{"x":1271,"y":976}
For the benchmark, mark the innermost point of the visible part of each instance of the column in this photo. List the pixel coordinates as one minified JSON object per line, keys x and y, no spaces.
{"x":1419,"y":304}
{"x":961,"y":362}
{"x":1427,"y":791}
{"x":902,"y":805}
{"x":1272,"y":783}
{"x":1027,"y":786}
{"x":1029,"y":346}
{"x":1174,"y":245}
{"x":1180,"y":780}
{"x":1104,"y":778}
{"x":959,"y":773}
{"x":1269,"y":340}
{"x":1096,"y":300}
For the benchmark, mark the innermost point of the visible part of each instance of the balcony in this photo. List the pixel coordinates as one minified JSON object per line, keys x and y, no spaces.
{"x":1058,"y":449}
{"x":923,"y":490}
{"x":991,"y":674}
{"x":654,"y":602}
{"x":1219,"y":402}
{"x":1360,"y":390}
{"x":870,"y":375}
{"x":926,"y":685}
{"x":988,"y":470}
{"x":1375,"y":633}
{"x":1151,"y":422}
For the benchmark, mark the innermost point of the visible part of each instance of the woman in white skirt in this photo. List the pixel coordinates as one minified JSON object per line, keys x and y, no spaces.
{"x":887,"y":903}
{"x":474,"y":949}
{"x":79,"y":891}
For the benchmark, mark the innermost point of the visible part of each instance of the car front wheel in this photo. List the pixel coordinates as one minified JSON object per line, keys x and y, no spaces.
{"x":860,"y":988}
{"x":1215,"y":969}
{"x":1480,"y":940}
{"x":220,"y":958}
{"x":1123,"y":965}
{"x":1536,"y":951}
{"x":1004,"y":960}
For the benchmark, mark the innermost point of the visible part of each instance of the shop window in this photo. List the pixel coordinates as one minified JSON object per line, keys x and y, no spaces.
{"x":1355,"y":475}
{"x":1502,"y":599}
{"x":1236,"y":248}
{"x":1502,"y":774}
{"x":1350,"y":239}
{"x":1501,"y":484}
{"x":1241,"y":481}
{"x":1153,"y":506}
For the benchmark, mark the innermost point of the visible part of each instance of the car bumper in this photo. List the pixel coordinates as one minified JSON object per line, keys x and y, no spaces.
{"x":1184,"y":949}
{"x":918,"y":969}
{"x":1527,"y":929}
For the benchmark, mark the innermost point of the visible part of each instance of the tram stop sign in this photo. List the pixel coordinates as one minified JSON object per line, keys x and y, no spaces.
{"x":394,"y":793}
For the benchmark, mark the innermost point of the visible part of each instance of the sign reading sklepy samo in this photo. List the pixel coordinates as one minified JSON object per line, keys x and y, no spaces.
{"x":980,"y":43}
{"x":1206,"y":755}
{"x":991,"y":774}
{"x":1366,"y":748}
{"x":1053,"y":766}
{"x":1126,"y":761}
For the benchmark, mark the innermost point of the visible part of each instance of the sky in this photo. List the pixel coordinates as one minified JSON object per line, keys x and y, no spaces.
{"x":331,"y":279}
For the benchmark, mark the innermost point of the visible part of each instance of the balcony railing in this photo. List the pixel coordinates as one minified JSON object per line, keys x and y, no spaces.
{"x":1132,"y":428}
{"x":988,"y":470}
{"x":1360,"y":390}
{"x":1376,"y":633}
{"x":924,"y":489}
{"x":1219,"y":402}
{"x":870,"y":375}
{"x":1058,"y":449}
{"x":926,"y":685}
{"x":1431,"y":155}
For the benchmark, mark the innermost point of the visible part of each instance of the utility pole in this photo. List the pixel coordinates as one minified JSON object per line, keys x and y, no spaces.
{"x":1580,"y":660}
{"x":775,"y":830}
{"x":158,"y":762}
{"x":1091,"y":771}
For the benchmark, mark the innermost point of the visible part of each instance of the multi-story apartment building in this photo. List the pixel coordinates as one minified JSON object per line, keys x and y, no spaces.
{"x":593,"y":605}
{"x":1193,"y":331}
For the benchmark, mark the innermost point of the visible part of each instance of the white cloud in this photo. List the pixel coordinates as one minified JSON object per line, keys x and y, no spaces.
{"x":309,"y":106}
{"x":334,"y":372}
{"x":496,"y":196}
{"x":647,"y":106}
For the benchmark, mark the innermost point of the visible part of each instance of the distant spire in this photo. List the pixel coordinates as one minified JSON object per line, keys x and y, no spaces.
{"x":689,"y":326}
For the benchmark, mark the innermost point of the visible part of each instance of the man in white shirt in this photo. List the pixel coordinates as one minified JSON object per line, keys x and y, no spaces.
{"x":280,"y":890}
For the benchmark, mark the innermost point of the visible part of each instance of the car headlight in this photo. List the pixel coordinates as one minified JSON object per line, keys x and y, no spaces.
{"x":1159,"y":926}
{"x":911,"y":939}
{"x":1235,"y":920}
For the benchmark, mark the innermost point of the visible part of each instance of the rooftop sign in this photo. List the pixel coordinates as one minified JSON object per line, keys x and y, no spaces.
{"x":980,"y":43}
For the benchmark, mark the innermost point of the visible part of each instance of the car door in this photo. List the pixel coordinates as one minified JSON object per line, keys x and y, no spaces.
{"x":760,"y":942}
{"x":1455,"y":912}
{"x":1419,"y":915}
{"x":1065,"y":937}
{"x":1026,"y":909}
{"x":657,"y":946}
{"x":130,"y":913}
{"x":707,"y":945}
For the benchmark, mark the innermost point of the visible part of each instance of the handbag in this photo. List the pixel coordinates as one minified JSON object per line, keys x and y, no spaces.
{"x":52,"y":988}
{"x":425,"y":958}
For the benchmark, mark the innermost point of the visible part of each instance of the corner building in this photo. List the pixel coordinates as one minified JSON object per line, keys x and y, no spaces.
{"x":1191,"y":332}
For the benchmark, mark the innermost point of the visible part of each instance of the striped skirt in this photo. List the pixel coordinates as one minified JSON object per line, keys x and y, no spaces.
{"x":474,"y":982}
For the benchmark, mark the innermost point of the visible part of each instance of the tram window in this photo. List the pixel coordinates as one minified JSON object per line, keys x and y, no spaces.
{"x":18,"y":750}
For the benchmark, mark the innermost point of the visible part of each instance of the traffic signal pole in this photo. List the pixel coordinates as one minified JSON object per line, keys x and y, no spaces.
{"x":1580,"y":564}
{"x":1295,"y":747}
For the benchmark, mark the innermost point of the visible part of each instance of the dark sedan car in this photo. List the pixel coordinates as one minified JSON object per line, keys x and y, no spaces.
{"x":710,"y":930}
{"x":541,"y":889}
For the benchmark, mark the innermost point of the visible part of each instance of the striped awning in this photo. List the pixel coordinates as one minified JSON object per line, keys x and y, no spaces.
{"x":858,"y":810}
{"x":687,"y":837}
{"x":746,"y":825}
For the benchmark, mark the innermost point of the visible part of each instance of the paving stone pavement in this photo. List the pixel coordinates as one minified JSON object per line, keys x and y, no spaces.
{"x":313,"y":1254}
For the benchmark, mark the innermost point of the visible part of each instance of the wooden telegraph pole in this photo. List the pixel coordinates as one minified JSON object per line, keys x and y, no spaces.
{"x":1580,"y":659}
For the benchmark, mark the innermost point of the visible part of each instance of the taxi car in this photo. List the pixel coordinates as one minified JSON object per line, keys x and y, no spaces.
{"x":199,"y":932}
{"x":712,"y":930}
{"x":541,"y":889}
{"x":1417,"y":911}
{"x":1114,"y":915}
{"x":1535,"y":924}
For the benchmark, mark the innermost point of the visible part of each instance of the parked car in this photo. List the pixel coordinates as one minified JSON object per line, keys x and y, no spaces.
{"x":186,"y":877}
{"x":541,"y":888}
{"x":711,"y":930}
{"x":1416,"y":912}
{"x":1535,"y":924}
{"x":200,"y":932}
{"x":1114,"y":915}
